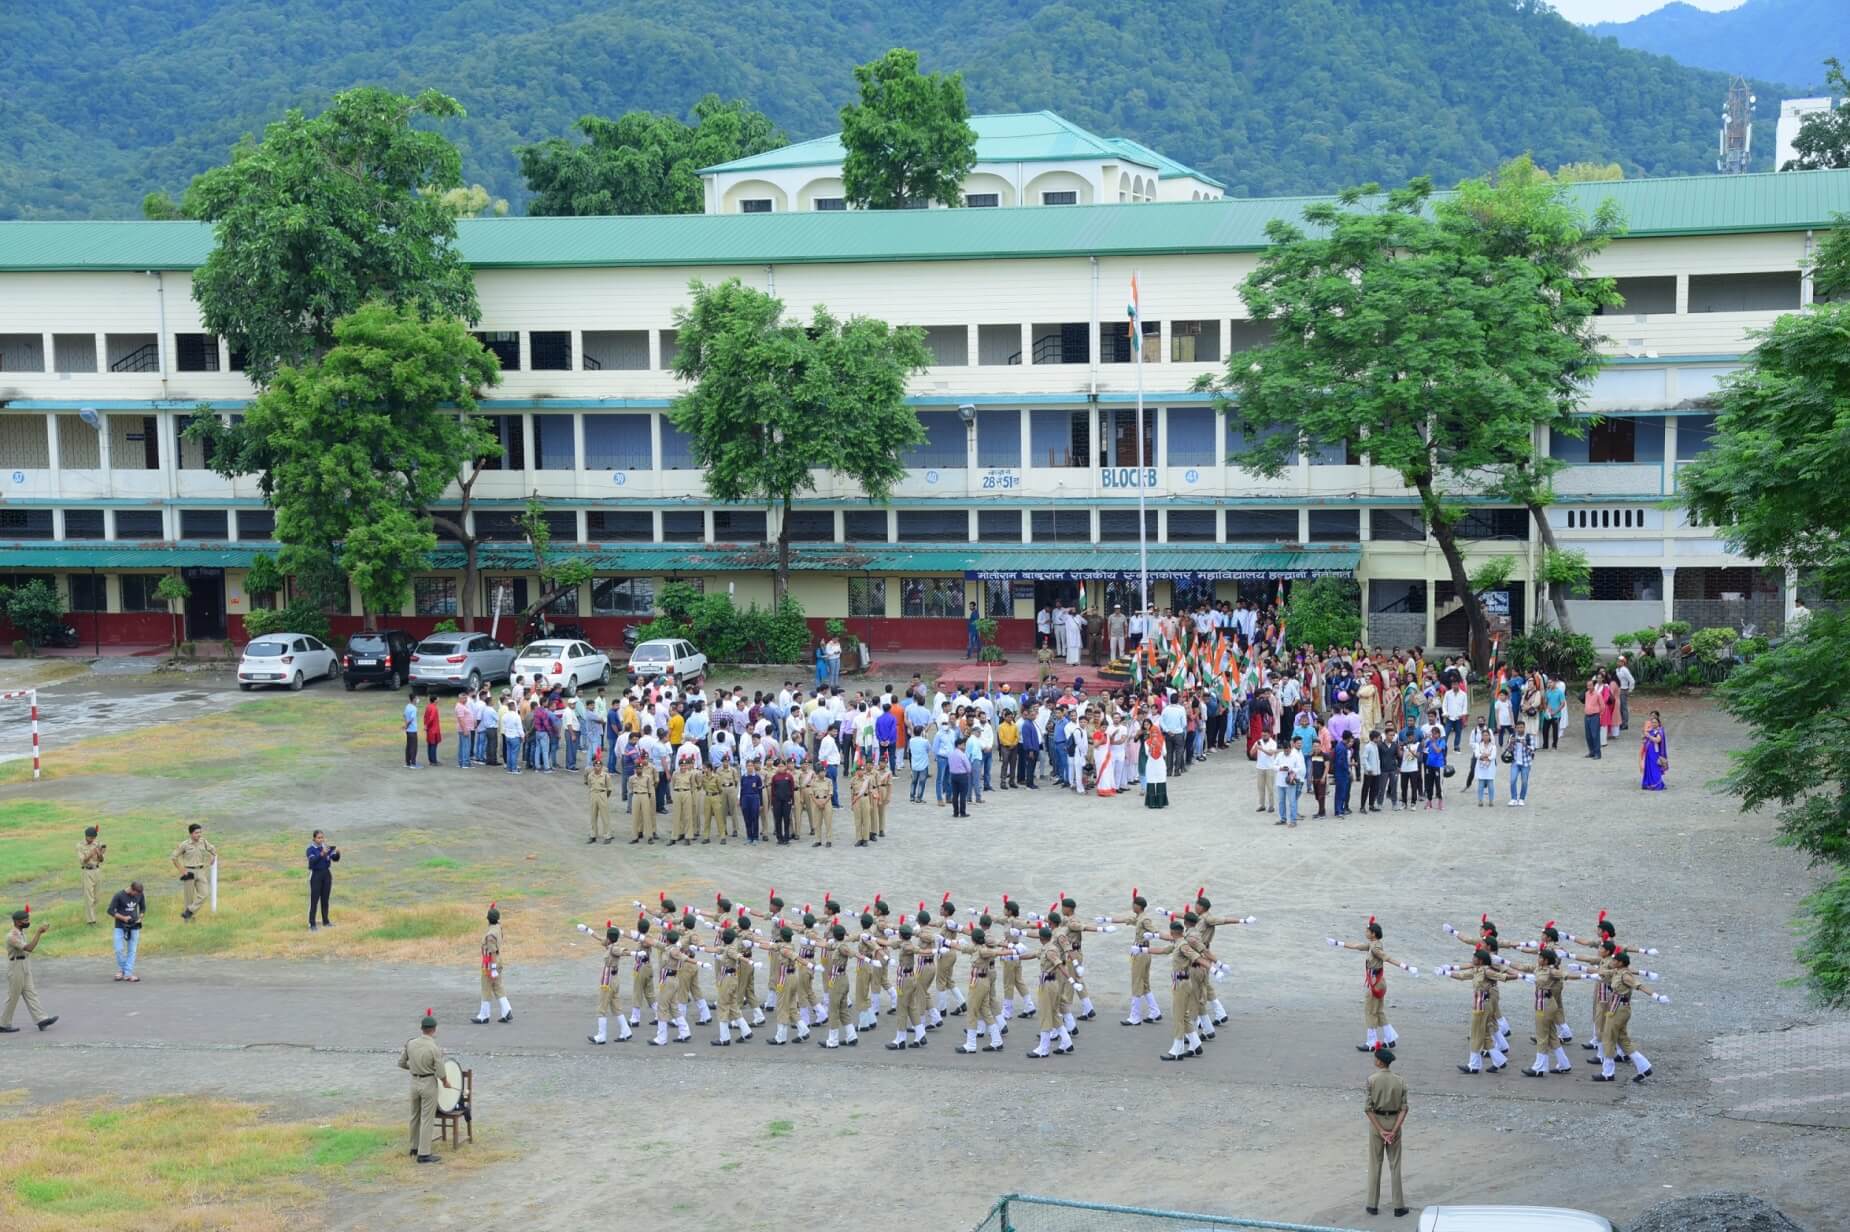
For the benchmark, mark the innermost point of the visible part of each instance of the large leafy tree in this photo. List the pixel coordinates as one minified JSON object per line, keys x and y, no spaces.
{"x":1521,"y":215}
{"x":1407,"y":337}
{"x":1823,"y":140}
{"x":325,"y":214}
{"x":642,"y":162}
{"x":773,"y":402}
{"x":355,"y":449}
{"x":908,"y":139}
{"x":1771,"y":482}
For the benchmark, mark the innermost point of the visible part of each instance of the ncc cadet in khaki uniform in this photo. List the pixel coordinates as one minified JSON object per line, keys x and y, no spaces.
{"x":642,"y":800}
{"x":1143,"y":932}
{"x":947,"y":997}
{"x":492,"y":995}
{"x":1374,"y":986}
{"x":1016,"y":995}
{"x":1615,"y":1040}
{"x":1386,"y":1108}
{"x":19,"y":986}
{"x":870,"y":957}
{"x":683,"y":787}
{"x":424,"y":1060}
{"x":1075,"y":936}
{"x":642,"y":972}
{"x":1482,"y":977}
{"x":983,"y":1018}
{"x":806,"y":774}
{"x":670,"y":984}
{"x":812,"y":1009}
{"x":729,"y":798}
{"x":1185,"y":952}
{"x":785,"y":963}
{"x":883,"y":793}
{"x":822,"y":809}
{"x":909,"y":950}
{"x":193,"y":860}
{"x":597,"y":782}
{"x":860,"y":800}
{"x":711,"y":802}
{"x":90,"y":855}
{"x":1216,"y":1012}
{"x":1548,"y":977}
{"x":609,"y":986}
{"x":729,"y":958}
{"x":749,"y":949}
{"x":880,"y":982}
{"x":1054,"y":971}
{"x":840,"y":958}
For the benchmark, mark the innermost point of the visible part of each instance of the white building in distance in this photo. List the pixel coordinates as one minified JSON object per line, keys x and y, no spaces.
{"x":1034,"y":158}
{"x":1792,"y":113}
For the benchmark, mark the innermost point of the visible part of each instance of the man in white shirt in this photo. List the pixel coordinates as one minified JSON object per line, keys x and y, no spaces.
{"x":1455,"y":706}
{"x":1626,"y":683}
{"x":1266,"y":766}
{"x":1288,"y":770}
{"x":1043,"y":628}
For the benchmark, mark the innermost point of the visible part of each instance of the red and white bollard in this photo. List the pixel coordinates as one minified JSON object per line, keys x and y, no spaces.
{"x":32,"y":696}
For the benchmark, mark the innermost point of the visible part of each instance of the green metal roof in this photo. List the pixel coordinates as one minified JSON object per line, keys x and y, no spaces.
{"x":1167,"y":168}
{"x":1696,"y":205}
{"x":1023,"y":560}
{"x":1009,"y":137}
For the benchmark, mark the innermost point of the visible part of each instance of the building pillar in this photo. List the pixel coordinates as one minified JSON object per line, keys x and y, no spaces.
{"x":1670,"y":592}
{"x":1682,"y":295}
{"x":1791,"y":596}
{"x":51,"y":443}
{"x":528,"y":461}
{"x":1670,"y":451}
{"x":1432,"y":609}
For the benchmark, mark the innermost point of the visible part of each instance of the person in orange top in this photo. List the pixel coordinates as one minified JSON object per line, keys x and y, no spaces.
{"x":433,"y":729}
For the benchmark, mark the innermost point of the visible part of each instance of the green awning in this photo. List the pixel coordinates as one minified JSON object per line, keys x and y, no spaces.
{"x":112,"y":555}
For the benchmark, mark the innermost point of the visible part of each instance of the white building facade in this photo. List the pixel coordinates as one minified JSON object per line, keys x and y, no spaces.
{"x":1029,"y":477}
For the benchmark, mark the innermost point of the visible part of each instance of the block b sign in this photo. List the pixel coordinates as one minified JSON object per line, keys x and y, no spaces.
{"x":1127,"y":478}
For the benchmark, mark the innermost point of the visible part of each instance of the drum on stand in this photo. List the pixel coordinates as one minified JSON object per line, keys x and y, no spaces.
{"x":450,"y":1096}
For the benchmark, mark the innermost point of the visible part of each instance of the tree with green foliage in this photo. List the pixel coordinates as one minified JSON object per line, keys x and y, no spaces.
{"x":1412,"y":335}
{"x":908,"y":140}
{"x":773,"y":402}
{"x":1582,"y":173}
{"x":1823,"y":139}
{"x":1324,"y":612}
{"x":642,"y":162}
{"x":159,"y":207}
{"x":559,"y":576}
{"x":324,"y":215}
{"x":356,"y":449}
{"x":471,"y":202}
{"x":174,"y":592}
{"x":264,"y":579}
{"x":1520,"y":215}
{"x":35,"y":609}
{"x":1770,"y":485}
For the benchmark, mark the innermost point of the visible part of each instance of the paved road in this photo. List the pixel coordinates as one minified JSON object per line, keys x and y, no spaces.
{"x":96,"y":705}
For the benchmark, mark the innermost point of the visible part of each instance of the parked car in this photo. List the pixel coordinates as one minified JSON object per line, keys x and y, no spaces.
{"x":1451,"y":1218}
{"x":460,"y":660}
{"x":286,"y":658}
{"x":658,"y":655}
{"x":563,"y":661}
{"x":380,"y":657}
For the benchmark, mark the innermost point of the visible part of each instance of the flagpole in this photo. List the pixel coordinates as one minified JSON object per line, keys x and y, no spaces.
{"x":1143,"y":553}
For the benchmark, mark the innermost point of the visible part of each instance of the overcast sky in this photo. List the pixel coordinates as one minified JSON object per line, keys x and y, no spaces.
{"x":1588,"y":11}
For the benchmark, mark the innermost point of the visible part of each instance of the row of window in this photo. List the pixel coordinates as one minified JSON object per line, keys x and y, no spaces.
{"x":140,"y":525}
{"x":972,"y":201}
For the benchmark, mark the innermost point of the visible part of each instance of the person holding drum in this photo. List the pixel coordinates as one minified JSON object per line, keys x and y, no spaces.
{"x":423,"y":1059}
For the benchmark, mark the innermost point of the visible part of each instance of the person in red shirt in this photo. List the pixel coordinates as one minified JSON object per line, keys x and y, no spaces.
{"x":433,"y":730}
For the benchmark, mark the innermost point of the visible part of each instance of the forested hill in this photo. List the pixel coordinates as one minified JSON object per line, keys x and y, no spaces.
{"x":105,"y":100}
{"x":1782,"y":40}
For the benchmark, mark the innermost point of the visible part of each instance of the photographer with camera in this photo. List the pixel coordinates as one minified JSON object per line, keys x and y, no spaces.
{"x":322,"y":856}
{"x":193,"y":860}
{"x":127,"y":909}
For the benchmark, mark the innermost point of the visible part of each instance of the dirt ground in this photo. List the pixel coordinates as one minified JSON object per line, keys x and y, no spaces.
{"x":1268,"y":1125}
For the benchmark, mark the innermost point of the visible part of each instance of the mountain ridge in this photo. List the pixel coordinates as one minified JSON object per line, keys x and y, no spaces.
{"x":1774,"y":40}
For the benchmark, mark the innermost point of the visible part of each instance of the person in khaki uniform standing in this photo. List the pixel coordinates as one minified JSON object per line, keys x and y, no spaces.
{"x":492,"y":994}
{"x":1143,"y":932}
{"x":642,"y":800}
{"x":193,"y":860}
{"x":1185,"y":951}
{"x":822,"y":811}
{"x":883,"y":792}
{"x":90,"y":855}
{"x":860,"y":800}
{"x":1015,"y":994}
{"x":642,"y":972}
{"x":423,"y":1059}
{"x":19,"y":972}
{"x":712,"y":804}
{"x":609,"y":982}
{"x":683,"y":786}
{"x":729,"y":798}
{"x":806,"y":775}
{"x":597,"y":782}
{"x":1386,"y":1109}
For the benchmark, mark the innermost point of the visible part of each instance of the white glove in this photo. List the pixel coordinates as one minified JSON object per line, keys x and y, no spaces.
{"x":1651,"y":952}
{"x":1079,"y":969}
{"x":1079,"y":987}
{"x":1449,"y":929}
{"x":583,"y":928}
{"x":757,"y":965}
{"x":1099,"y":919}
{"x":1412,"y":970}
{"x":1332,"y":942}
{"x":1528,"y":978}
{"x":1652,"y":976}
{"x":1140,"y":949}
{"x":1251,"y":919}
{"x":1499,"y":960}
{"x":1444,"y":969}
{"x":1664,"y":998}
{"x":1109,"y":928}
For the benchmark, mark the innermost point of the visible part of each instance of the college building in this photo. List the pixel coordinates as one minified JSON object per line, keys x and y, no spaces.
{"x":1028,"y":479}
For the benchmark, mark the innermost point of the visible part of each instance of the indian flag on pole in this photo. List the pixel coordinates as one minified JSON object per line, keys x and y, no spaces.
{"x":1134,"y":310}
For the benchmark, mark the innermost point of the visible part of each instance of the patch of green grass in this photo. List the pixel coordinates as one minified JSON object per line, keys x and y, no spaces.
{"x":341,"y":1147}
{"x":102,"y":1121}
{"x":780,"y":1129}
{"x":61,"y":1197}
{"x":441,"y":862}
{"x":418,"y":925}
{"x":731,"y":1165}
{"x":17,"y":814}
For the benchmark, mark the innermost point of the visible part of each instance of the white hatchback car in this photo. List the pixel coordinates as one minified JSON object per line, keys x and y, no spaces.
{"x":658,"y":656}
{"x":1450,"y":1218}
{"x":286,"y":658}
{"x":563,"y":661}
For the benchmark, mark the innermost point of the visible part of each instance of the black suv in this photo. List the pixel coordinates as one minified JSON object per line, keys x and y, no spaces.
{"x":381,"y":657}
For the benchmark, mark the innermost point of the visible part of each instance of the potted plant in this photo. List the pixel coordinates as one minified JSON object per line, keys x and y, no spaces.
{"x":988,"y":651}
